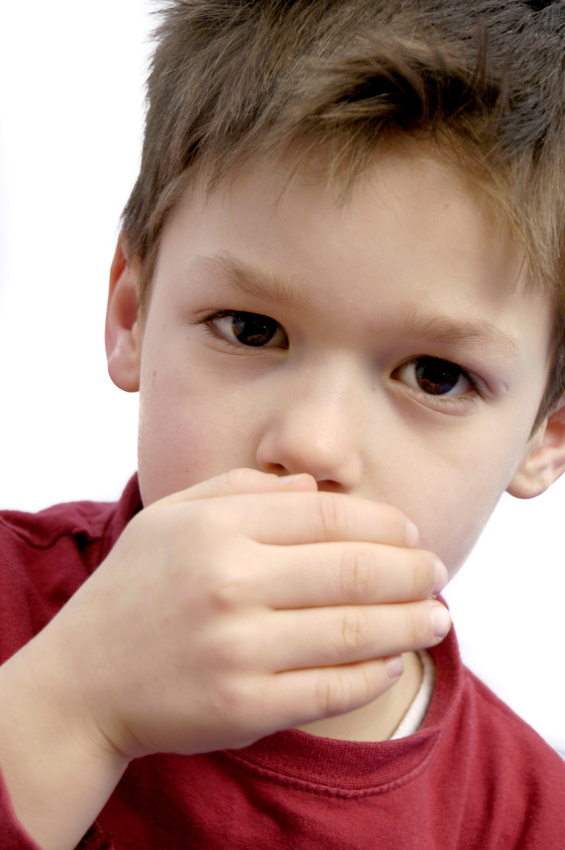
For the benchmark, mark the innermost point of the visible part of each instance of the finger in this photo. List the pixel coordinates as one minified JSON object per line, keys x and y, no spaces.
{"x":297,"y":513}
{"x":242,"y":481}
{"x":323,"y":637}
{"x":325,"y":574}
{"x":303,"y":696}
{"x":317,"y":517}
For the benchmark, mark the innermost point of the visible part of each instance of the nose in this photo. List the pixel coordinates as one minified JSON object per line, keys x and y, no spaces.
{"x":316,"y":426}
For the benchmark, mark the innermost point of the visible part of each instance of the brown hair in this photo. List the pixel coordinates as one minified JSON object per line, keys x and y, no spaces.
{"x":481,"y":80}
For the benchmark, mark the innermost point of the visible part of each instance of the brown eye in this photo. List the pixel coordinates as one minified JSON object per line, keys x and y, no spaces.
{"x":252,"y":330}
{"x":434,"y":376}
{"x":438,"y":377}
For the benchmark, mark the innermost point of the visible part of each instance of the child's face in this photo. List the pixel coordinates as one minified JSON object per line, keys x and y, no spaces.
{"x":388,"y":346}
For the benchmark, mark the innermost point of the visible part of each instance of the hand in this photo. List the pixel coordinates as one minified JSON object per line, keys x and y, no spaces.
{"x":243,"y":606}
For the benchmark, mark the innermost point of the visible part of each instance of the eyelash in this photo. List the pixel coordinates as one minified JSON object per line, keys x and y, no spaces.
{"x":437,"y":399}
{"x":472,"y":396}
{"x":208,"y":323}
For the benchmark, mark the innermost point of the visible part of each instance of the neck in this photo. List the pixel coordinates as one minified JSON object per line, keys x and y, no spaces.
{"x":379,"y":719}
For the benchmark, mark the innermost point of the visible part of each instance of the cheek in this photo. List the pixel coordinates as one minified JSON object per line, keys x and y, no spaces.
{"x":188,"y":432}
{"x":451,"y":526}
{"x":167,"y":440}
{"x":450,"y":489}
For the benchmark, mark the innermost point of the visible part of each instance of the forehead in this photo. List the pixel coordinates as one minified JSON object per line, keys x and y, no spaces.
{"x":405,"y":193}
{"x":410,"y":225}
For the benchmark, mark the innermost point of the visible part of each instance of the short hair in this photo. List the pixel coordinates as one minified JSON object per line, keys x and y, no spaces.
{"x":482,"y":81}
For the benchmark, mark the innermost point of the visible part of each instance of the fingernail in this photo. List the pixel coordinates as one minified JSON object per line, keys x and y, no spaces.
{"x":442,"y":578}
{"x":395,"y":666}
{"x":441,"y":620}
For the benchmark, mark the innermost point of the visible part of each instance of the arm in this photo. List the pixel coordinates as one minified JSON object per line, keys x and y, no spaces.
{"x":13,"y":835}
{"x":224,"y":613}
{"x":58,"y":779}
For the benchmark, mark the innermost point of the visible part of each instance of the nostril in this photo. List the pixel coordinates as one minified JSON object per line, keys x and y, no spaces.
{"x":275,"y":468}
{"x":329,"y":486}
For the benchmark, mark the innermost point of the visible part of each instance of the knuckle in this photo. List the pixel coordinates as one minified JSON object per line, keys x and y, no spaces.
{"x":228,"y":700}
{"x":424,"y":576}
{"x":340,"y":690}
{"x":197,"y":518}
{"x":419,"y":630}
{"x":368,"y":683}
{"x":231,"y":651}
{"x":228,"y":590}
{"x":331,"y":694}
{"x":405,"y":626}
{"x":356,"y":574}
{"x":334,"y":516}
{"x":354,"y":631}
{"x":328,"y":516}
{"x":238,"y":479}
{"x":416,"y":628}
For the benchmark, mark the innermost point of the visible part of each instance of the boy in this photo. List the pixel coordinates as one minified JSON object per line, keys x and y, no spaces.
{"x":339,"y":292}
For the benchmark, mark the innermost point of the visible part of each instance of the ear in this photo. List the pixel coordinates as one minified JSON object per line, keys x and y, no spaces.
{"x":544,"y":460}
{"x":123,"y":328}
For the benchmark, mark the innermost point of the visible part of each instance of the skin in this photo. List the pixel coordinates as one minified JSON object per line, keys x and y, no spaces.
{"x":286,"y":482}
{"x":411,"y":247}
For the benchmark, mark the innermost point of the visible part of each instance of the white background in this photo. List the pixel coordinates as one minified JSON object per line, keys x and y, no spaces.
{"x":71,"y":105}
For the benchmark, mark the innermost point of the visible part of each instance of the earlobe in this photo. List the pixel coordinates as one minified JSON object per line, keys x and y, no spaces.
{"x":544,"y":460}
{"x":123,"y":330}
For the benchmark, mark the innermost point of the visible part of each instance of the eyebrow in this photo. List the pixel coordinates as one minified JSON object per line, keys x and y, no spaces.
{"x":252,"y":281}
{"x":438,"y":328}
{"x":443,"y":329}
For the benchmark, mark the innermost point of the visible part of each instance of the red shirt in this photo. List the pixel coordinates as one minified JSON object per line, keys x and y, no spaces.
{"x":474,"y":776}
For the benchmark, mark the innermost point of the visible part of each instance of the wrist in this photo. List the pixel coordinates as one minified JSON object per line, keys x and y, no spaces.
{"x":59,"y":774}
